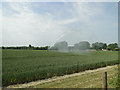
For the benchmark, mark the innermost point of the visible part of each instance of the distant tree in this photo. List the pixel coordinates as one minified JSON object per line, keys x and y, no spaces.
{"x":95,"y":46}
{"x":112,"y":46}
{"x":99,"y":46}
{"x":108,"y":48}
{"x":30,"y":45}
{"x":44,"y":48}
{"x":37,"y":48}
{"x":3,"y":47}
{"x":104,"y":46}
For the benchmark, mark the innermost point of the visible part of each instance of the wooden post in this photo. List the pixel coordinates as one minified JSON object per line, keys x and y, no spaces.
{"x":104,"y":78}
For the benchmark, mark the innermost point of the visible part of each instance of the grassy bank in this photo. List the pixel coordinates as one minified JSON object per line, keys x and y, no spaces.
{"x":88,"y":79}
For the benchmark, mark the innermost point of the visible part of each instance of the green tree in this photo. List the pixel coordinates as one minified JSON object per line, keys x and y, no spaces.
{"x":104,"y":46}
{"x":99,"y":46}
{"x":113,"y":46}
{"x":30,"y":45}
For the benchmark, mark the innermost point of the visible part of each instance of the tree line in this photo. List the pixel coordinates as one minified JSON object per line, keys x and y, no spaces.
{"x":63,"y":45}
{"x":100,"y":46}
{"x":84,"y":45}
{"x":30,"y":47}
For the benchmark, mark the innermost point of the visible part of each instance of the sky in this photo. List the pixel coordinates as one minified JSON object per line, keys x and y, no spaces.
{"x":45,"y":23}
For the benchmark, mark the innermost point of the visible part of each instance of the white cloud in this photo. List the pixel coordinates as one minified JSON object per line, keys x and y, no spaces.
{"x":60,"y":0}
{"x":28,"y":27}
{"x":68,"y":21}
{"x":92,"y":29}
{"x":39,"y":29}
{"x":85,"y":11}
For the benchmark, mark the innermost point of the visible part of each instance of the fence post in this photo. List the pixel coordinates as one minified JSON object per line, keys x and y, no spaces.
{"x":104,"y":78}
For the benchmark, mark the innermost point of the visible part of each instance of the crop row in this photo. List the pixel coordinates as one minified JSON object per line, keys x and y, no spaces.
{"x":50,"y":72}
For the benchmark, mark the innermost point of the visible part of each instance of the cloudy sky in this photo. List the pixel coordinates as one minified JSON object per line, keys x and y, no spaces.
{"x":43,"y":23}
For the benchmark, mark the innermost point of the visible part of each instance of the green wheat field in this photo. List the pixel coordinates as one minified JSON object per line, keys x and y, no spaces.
{"x":22,"y":66}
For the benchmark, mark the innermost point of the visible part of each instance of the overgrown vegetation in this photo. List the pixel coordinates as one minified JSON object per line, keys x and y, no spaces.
{"x":20,"y":66}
